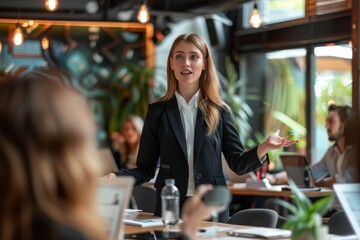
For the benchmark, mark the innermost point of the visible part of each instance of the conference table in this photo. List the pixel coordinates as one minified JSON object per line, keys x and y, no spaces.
{"x":203,"y":226}
{"x":206,"y":230}
{"x":276,"y":191}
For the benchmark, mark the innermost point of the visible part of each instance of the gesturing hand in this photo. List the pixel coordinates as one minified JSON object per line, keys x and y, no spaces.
{"x":275,"y":141}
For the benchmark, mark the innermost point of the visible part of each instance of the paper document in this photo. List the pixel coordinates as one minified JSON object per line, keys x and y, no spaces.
{"x":154,"y":222}
{"x":267,"y":233}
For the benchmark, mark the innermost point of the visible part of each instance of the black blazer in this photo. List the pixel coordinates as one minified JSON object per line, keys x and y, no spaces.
{"x":163,"y":139}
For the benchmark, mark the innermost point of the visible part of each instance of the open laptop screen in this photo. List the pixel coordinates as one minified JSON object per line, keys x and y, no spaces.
{"x":113,"y":196}
{"x":349,"y":196}
{"x":295,"y":166}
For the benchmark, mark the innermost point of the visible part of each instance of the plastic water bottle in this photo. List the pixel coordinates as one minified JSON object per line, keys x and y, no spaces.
{"x":170,"y":196}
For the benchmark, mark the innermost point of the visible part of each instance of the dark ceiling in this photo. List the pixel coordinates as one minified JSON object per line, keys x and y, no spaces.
{"x":115,"y":10}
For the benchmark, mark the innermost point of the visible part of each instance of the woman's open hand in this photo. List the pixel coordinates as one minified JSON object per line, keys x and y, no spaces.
{"x":275,"y":141}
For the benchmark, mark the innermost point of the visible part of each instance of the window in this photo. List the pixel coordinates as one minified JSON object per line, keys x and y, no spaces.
{"x":285,"y":96}
{"x":333,"y":84}
{"x":275,"y":11}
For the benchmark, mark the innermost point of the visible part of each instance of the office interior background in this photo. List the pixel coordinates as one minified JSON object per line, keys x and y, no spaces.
{"x":281,"y":74}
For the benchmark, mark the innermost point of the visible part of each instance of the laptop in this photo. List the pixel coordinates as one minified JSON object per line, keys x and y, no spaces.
{"x":108,"y":161}
{"x":113,"y":196}
{"x":349,"y":195}
{"x":296,"y":167}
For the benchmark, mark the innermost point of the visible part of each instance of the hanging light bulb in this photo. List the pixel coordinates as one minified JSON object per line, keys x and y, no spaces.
{"x":255,"y":19}
{"x":18,"y":36}
{"x":45,"y":43}
{"x":51,"y":5}
{"x":143,"y":14}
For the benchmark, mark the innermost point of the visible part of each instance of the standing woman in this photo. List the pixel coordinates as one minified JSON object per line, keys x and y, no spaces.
{"x":126,"y":144}
{"x":190,"y":126}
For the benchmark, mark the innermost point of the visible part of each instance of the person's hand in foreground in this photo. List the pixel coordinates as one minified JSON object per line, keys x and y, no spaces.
{"x":275,"y":141}
{"x":110,"y":175}
{"x":195,"y":210}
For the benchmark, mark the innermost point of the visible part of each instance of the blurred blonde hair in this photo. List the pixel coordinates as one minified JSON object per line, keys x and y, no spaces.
{"x":47,"y":157}
{"x":138,"y":124}
{"x":210,"y":100}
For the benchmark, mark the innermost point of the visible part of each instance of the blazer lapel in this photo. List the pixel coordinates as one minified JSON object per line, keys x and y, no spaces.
{"x":200,"y":133}
{"x":173,"y":113}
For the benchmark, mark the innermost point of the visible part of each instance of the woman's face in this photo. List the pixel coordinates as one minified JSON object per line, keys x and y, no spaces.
{"x":187,"y":62}
{"x":130,"y":134}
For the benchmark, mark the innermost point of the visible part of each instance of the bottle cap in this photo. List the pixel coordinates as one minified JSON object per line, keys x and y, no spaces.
{"x":170,"y":181}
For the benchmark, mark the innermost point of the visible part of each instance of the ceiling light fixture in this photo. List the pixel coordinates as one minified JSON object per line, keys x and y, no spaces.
{"x":45,"y":43}
{"x":255,"y":19}
{"x":51,"y":5}
{"x":92,"y":7}
{"x":18,"y":36}
{"x":143,"y":15}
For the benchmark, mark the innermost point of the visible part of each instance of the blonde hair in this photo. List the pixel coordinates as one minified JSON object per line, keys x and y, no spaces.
{"x":47,"y":148}
{"x":137,"y":124}
{"x":210,"y":100}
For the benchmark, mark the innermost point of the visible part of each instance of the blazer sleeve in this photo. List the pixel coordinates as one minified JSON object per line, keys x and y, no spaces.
{"x":149,"y":149}
{"x":240,"y":161}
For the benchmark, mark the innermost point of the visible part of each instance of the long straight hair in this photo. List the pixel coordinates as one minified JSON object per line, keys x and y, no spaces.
{"x":47,"y":156}
{"x":210,"y":101}
{"x":137,"y":123}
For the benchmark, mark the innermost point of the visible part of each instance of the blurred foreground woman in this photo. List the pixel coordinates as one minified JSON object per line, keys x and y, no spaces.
{"x":48,"y":172}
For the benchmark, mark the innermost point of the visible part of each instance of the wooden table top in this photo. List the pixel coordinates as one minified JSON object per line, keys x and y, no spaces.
{"x":276,"y":191}
{"x":202,"y":224}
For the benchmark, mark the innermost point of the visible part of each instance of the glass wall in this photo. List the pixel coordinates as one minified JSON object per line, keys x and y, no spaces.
{"x":285,"y":96}
{"x":333,"y":85}
{"x":274,"y":11}
{"x":282,"y":101}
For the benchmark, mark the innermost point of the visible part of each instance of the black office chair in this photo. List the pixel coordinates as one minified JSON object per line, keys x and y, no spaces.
{"x":281,"y":220}
{"x":258,"y":217}
{"x":145,"y":198}
{"x":339,"y":224}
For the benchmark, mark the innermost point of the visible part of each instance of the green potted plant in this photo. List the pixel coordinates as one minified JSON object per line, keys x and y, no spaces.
{"x":305,"y":217}
{"x":234,"y":95}
{"x":128,"y":91}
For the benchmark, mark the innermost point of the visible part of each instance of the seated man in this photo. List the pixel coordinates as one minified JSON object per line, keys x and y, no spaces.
{"x":337,"y":165}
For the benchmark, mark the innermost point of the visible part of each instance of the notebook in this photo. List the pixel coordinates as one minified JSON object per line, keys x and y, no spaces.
{"x":349,"y":196}
{"x":295,"y":166}
{"x":108,"y":161}
{"x":113,"y":196}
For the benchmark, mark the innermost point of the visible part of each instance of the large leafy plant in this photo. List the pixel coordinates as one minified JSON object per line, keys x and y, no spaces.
{"x":304,"y":215}
{"x":234,"y":95}
{"x":129,"y":91}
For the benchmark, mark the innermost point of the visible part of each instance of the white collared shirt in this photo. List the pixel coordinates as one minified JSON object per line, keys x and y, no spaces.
{"x":188,"y":113}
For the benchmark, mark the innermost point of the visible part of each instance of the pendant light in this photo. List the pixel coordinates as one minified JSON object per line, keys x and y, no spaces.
{"x":18,"y":36}
{"x":143,"y":15}
{"x":51,"y":5}
{"x":45,"y":43}
{"x":255,"y":19}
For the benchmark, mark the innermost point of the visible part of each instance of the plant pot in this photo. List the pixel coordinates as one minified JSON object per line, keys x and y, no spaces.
{"x":321,"y":233}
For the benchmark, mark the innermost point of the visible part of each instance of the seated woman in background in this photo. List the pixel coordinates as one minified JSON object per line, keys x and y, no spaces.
{"x":125,"y":145}
{"x":49,"y":166}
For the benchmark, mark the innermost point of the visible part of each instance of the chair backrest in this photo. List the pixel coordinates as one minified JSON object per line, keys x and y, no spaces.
{"x":258,"y":217}
{"x":145,"y":198}
{"x":281,"y":220}
{"x":339,"y":224}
